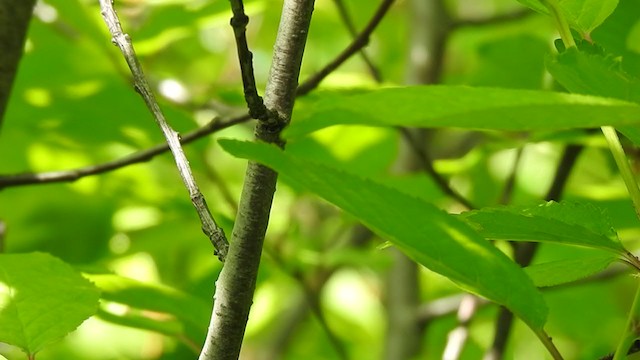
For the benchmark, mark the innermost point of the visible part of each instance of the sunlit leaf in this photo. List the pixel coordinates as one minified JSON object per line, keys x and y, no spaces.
{"x":430,"y":236}
{"x":154,"y":297}
{"x":567,"y":223}
{"x":41,"y":300}
{"x":461,"y":107}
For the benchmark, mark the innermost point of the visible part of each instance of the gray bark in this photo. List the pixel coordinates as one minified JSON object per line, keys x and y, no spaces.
{"x":237,"y":281}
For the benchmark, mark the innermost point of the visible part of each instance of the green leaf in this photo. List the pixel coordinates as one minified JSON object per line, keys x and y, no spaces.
{"x":460,"y":107}
{"x":41,"y":300}
{"x":169,"y":327}
{"x":586,"y":15}
{"x":430,"y":236}
{"x":159,"y":298}
{"x":566,"y":271}
{"x":592,"y":72}
{"x":582,"y":15}
{"x":569,"y":223}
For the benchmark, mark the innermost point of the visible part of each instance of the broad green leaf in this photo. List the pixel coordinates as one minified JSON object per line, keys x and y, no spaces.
{"x":190,"y":310}
{"x":566,"y":271}
{"x":586,"y":15}
{"x":430,"y":236}
{"x":569,"y":223}
{"x":582,"y":15}
{"x":590,"y":71}
{"x":41,"y":300}
{"x":460,"y":107}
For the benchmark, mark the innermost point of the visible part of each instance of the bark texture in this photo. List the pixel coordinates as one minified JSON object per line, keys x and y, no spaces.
{"x":237,"y":281}
{"x":14,"y":22}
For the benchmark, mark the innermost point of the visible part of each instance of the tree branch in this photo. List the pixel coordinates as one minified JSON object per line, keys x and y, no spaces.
{"x":348,"y":22}
{"x":427,"y":165}
{"x":138,"y":157}
{"x":239,"y":22}
{"x":14,"y":22}
{"x":122,"y":40}
{"x":237,"y":281}
{"x":358,"y":43}
{"x":493,"y":20}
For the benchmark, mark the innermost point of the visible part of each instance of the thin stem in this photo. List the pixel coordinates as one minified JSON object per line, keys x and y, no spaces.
{"x":623,"y":165}
{"x":358,"y":43}
{"x":632,"y":331}
{"x":239,"y":23}
{"x":493,"y":20}
{"x":427,"y":165}
{"x":548,"y":344}
{"x":237,"y":281}
{"x":209,"y":226}
{"x":346,"y":19}
{"x":561,"y":23}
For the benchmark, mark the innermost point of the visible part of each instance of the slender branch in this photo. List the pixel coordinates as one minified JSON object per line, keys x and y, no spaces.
{"x":348,"y":22}
{"x":14,"y":21}
{"x":358,"y":43}
{"x":137,"y":157}
{"x":122,"y":40}
{"x":493,"y":20}
{"x":239,"y":22}
{"x":427,"y":165}
{"x":632,"y":331}
{"x":237,"y":281}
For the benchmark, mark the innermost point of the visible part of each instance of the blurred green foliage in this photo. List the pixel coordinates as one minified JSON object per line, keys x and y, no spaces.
{"x":73,"y":105}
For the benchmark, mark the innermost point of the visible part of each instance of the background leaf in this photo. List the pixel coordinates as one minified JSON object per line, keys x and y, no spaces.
{"x":567,"y":223}
{"x":41,"y":300}
{"x":565,"y":271}
{"x":460,"y":107}
{"x":191,"y":311}
{"x":427,"y":234}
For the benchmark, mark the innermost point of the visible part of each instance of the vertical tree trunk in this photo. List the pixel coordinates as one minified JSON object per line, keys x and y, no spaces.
{"x":237,"y":281}
{"x":14,"y":22}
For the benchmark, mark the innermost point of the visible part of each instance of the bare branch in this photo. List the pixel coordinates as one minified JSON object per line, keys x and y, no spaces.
{"x":138,"y":157}
{"x":358,"y":43}
{"x":492,"y":20}
{"x":239,"y":22}
{"x":122,"y":40}
{"x":348,"y":22}
{"x":427,"y":165}
{"x":237,"y":281}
